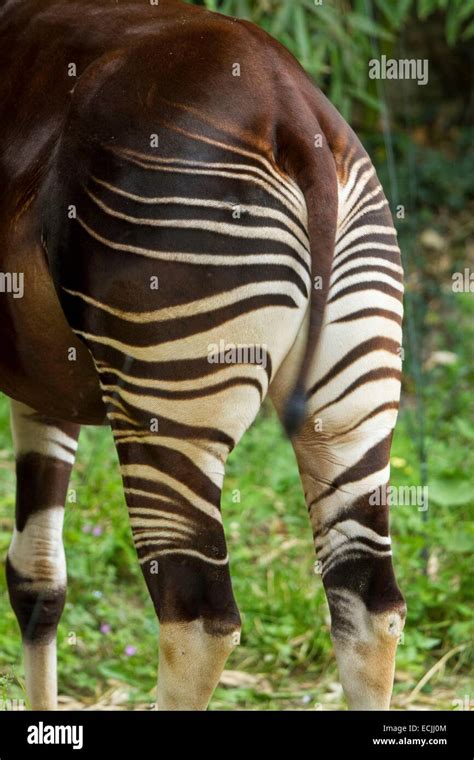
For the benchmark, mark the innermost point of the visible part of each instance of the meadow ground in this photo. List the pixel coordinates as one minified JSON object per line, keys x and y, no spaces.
{"x":108,"y":633}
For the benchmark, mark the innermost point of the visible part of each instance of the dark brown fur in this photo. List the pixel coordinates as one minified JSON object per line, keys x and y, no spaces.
{"x":38,"y":41}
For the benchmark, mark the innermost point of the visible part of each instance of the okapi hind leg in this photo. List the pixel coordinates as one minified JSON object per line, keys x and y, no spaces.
{"x":345,"y":475}
{"x":173,"y":486}
{"x":351,"y":396}
{"x":36,"y":567}
{"x":343,"y":453}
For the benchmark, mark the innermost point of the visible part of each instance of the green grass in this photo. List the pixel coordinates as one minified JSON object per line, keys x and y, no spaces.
{"x":286,"y":652}
{"x":285,"y":659}
{"x":285,"y":619}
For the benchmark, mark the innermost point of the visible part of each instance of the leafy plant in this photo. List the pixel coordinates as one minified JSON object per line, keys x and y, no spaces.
{"x":334,"y":41}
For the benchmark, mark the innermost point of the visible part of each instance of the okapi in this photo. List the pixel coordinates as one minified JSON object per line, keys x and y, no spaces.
{"x":171,"y":180}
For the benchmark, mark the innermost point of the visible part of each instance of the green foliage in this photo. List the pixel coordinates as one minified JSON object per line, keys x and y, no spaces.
{"x":432,"y":176}
{"x":334,"y":41}
{"x":458,"y":17}
{"x":108,"y":633}
{"x":285,"y":618}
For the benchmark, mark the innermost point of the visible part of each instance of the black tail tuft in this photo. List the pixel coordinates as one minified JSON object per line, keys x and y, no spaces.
{"x":295,"y":412}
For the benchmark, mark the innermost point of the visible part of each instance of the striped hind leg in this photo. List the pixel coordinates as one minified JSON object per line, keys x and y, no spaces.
{"x":36,"y":568}
{"x":173,"y":482}
{"x":344,"y":471}
{"x":174,"y":424}
{"x":343,"y":456}
{"x":343,"y":450}
{"x":184,"y":367}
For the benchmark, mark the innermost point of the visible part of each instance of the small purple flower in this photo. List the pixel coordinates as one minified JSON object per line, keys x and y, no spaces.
{"x":86,"y":528}
{"x":105,"y":628}
{"x":130,"y":651}
{"x":97,"y":531}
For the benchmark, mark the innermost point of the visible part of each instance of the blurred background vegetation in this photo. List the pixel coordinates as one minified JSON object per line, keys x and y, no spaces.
{"x":421,"y":140}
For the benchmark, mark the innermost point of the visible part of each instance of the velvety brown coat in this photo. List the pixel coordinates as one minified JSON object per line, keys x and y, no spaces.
{"x":55,"y":57}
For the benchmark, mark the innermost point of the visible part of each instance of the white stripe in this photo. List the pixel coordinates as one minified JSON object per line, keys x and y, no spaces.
{"x":158,"y":536}
{"x":59,"y":436}
{"x":278,"y":175}
{"x":369,"y":246}
{"x":154,"y":525}
{"x":158,"y":476}
{"x":349,"y":529}
{"x":220,"y":228}
{"x":352,"y":302}
{"x":345,"y":217}
{"x":363,"y":278}
{"x":276,"y":188}
{"x":251,"y":210}
{"x":358,"y":551}
{"x":157,"y":516}
{"x":363,"y":231}
{"x":323,"y":508}
{"x":193,"y":308}
{"x":201,"y":259}
{"x":347,"y":190}
{"x":186,"y":552}
{"x":220,"y":374}
{"x":200,"y":457}
{"x":161,"y":499}
{"x":365,"y":261}
{"x":352,"y":190}
{"x":37,"y":551}
{"x":292,"y":191}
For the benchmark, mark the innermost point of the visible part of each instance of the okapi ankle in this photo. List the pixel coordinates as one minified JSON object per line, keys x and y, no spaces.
{"x":38,"y":610}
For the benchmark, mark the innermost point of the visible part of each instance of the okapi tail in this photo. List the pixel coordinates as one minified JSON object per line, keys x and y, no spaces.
{"x":310,"y":137}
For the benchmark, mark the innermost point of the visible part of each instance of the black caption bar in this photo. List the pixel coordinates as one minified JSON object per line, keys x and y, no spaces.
{"x":377,"y":734}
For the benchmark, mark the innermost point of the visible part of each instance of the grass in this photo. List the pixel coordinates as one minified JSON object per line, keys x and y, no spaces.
{"x":108,"y":633}
{"x":285,"y":660}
